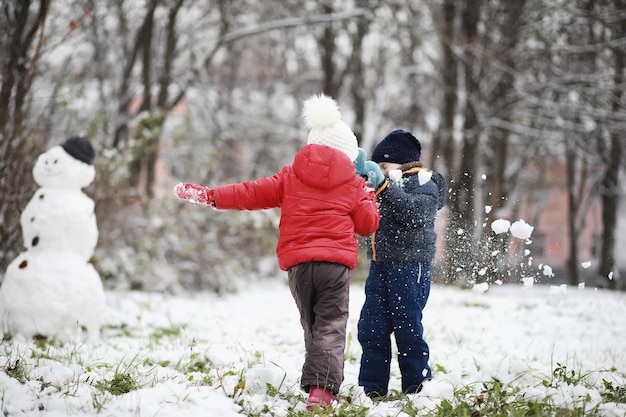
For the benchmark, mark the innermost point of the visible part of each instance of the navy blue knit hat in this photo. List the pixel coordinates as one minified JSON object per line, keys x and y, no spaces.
{"x":398,"y":147}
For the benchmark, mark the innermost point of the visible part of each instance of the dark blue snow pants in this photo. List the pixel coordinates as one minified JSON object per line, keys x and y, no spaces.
{"x":395,"y":295}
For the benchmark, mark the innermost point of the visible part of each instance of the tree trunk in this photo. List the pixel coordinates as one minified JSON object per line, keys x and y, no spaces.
{"x":20,"y":25}
{"x":502,"y":98}
{"x":610,"y":183}
{"x":328,"y":48}
{"x":20,"y":64}
{"x":358,"y":80}
{"x":572,"y":210}
{"x":460,"y":238}
{"x":443,"y":144}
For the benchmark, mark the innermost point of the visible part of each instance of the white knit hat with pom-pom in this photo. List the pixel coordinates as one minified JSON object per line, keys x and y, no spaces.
{"x":322,"y":116}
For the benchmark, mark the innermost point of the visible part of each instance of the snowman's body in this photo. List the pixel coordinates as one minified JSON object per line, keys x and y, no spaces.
{"x":51,"y":294}
{"x":51,"y":289}
{"x":54,"y":214}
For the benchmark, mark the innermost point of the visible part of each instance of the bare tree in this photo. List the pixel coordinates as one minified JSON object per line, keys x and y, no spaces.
{"x":515,"y":82}
{"x":610,"y":194}
{"x":589,"y":114}
{"x":460,"y":233}
{"x":21,"y":39}
{"x":502,"y":98}
{"x":357,"y":85}
{"x":443,"y":144}
{"x":518,"y":101}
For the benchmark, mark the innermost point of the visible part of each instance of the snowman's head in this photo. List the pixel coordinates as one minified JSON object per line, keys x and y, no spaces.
{"x":59,"y":169}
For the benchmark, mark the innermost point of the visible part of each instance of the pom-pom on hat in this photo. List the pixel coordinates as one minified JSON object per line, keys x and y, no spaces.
{"x":398,"y":147}
{"x":79,"y":148}
{"x":322,"y":116}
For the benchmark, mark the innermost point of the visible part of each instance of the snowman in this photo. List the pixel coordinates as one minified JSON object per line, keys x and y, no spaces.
{"x":51,"y":289}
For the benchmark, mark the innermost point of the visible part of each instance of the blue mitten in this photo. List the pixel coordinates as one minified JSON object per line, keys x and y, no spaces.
{"x":359,"y":163}
{"x":375,"y":176}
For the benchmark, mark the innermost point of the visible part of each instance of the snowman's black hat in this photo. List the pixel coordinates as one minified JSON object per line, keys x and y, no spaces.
{"x":80,"y":148}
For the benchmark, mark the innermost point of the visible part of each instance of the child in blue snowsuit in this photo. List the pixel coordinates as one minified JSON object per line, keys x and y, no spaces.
{"x":401,"y":252}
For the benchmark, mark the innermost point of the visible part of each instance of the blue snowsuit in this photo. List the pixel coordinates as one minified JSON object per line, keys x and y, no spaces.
{"x":398,"y":285}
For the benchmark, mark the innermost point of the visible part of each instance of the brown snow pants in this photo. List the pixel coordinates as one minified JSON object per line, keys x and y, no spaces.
{"x":321,"y":291}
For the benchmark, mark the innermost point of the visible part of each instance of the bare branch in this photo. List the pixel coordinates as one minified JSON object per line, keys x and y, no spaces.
{"x":291,"y":22}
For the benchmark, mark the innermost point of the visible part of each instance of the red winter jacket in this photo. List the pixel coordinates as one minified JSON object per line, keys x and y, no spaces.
{"x":323,"y":204}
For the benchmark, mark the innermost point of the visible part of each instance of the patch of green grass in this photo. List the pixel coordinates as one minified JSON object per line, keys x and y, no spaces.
{"x":440,"y":368}
{"x":121,"y":383}
{"x":121,"y":330}
{"x":14,"y":364}
{"x":562,"y":374}
{"x":125,"y":378}
{"x":166,"y":332}
{"x":614,"y":393}
{"x":197,"y":363}
{"x":497,"y":399}
{"x":490,"y":398}
{"x":350,"y":354}
{"x":15,"y":369}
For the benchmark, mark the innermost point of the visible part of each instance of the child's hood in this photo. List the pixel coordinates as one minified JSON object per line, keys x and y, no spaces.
{"x":321,"y":166}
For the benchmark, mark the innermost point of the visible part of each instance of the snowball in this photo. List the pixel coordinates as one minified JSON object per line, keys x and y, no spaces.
{"x":556,"y":295}
{"x":424,"y":176}
{"x":500,"y":226}
{"x":395,"y":176}
{"x":561,"y":289}
{"x":547,"y":271}
{"x":487,"y":209}
{"x":586,"y":264}
{"x":480,"y":288}
{"x":521,"y":230}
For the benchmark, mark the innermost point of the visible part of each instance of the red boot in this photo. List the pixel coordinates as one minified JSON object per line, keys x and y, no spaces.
{"x":320,"y":398}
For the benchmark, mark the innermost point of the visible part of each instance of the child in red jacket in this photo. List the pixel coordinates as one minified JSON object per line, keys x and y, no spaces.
{"x":323,"y":204}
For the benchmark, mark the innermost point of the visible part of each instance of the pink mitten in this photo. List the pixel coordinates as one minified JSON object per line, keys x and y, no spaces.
{"x":194,"y":193}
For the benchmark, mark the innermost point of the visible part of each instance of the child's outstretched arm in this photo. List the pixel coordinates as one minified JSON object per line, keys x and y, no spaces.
{"x":195,"y":193}
{"x":259,"y":194}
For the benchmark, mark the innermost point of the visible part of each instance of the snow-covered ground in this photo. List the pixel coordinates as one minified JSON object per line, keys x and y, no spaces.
{"x":240,"y":354}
